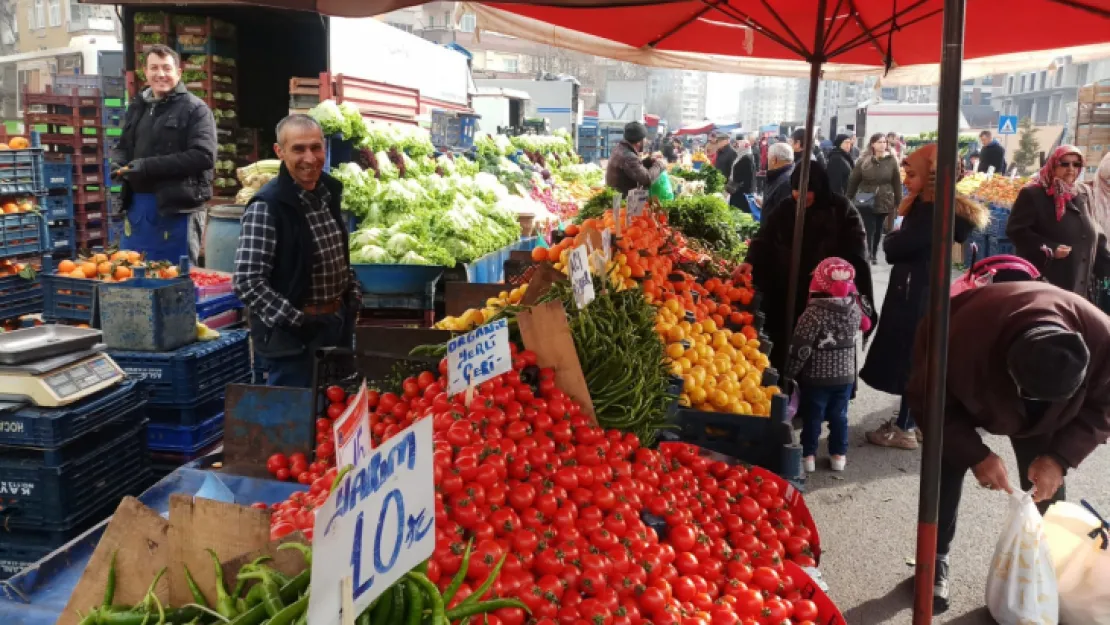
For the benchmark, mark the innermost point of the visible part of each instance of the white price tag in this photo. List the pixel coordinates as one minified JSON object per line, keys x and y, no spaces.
{"x":376,"y":526}
{"x":617,"y":211}
{"x":990,"y":170}
{"x":351,"y":431}
{"x":637,"y":199}
{"x":607,"y":244}
{"x":580,"y":279}
{"x":478,"y":356}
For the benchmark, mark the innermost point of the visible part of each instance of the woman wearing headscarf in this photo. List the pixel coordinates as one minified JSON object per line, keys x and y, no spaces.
{"x":908,"y":249}
{"x":832,"y":228}
{"x":742,"y":179}
{"x":875,"y":188}
{"x":1052,"y":226}
{"x":1100,"y":195}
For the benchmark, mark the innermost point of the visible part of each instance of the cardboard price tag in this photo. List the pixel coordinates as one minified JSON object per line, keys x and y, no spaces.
{"x":478,"y":356}
{"x":637,"y":199}
{"x":617,"y":199}
{"x":607,"y":244}
{"x":351,"y":431}
{"x":580,"y":280}
{"x":375,"y":527}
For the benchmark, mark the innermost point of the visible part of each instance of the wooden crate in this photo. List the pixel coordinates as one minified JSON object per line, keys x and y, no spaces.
{"x":1095,"y":93}
{"x":304,"y":93}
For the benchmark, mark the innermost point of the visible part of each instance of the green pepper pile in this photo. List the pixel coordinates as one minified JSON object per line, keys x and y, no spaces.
{"x":277,"y":599}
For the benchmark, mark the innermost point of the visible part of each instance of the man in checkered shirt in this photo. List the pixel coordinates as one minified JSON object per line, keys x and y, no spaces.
{"x":293,"y":266}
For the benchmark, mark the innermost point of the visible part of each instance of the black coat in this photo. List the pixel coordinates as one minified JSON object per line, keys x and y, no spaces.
{"x":992,"y":154}
{"x":840,"y":169}
{"x":726,"y":157}
{"x":908,"y":249}
{"x":176,"y":158}
{"x":831,"y":229}
{"x":776,"y":190}
{"x":743,"y":175}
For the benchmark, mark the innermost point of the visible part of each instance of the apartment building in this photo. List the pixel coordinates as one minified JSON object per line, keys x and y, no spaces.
{"x":772,"y":100}
{"x":693,"y":91}
{"x":1046,"y":95}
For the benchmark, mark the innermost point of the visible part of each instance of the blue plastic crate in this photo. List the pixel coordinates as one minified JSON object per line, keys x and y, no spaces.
{"x":20,"y":296}
{"x":56,"y":498}
{"x":180,"y":376}
{"x":148,"y":314}
{"x":999,"y":217}
{"x":1001,"y":245}
{"x":185,"y":438}
{"x":218,"y":305}
{"x":62,"y":237}
{"x":21,"y":234}
{"x":67,"y":299}
{"x":21,"y":549}
{"x":54,"y":427}
{"x":340,"y":151}
{"x":21,"y":172}
{"x":58,"y":206}
{"x":196,"y":411}
{"x":112,"y":116}
{"x":58,"y":174}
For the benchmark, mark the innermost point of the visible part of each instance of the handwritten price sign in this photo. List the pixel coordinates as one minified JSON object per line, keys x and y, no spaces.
{"x":478,"y":356}
{"x":376,"y":526}
{"x":351,"y":431}
{"x":580,"y":280}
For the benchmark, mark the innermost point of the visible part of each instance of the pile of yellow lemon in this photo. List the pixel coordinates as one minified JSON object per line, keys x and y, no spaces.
{"x":722,"y":370}
{"x":475,"y":317}
{"x":616,"y":269}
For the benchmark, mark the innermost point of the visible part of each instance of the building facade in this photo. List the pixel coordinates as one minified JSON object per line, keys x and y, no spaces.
{"x":1046,"y":96}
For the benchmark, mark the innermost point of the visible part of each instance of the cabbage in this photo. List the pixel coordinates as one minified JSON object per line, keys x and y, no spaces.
{"x":331,"y":118}
{"x":412,"y":258}
{"x":400,"y":243}
{"x":371,"y":254}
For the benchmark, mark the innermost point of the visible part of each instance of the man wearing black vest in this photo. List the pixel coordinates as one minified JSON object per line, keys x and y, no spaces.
{"x":293,"y":266}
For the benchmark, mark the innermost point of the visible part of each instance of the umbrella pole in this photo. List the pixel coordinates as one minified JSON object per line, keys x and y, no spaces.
{"x":815,"y":61}
{"x":936,"y":355}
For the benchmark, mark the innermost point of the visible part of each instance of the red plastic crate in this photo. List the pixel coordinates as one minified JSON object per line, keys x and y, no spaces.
{"x":64,"y":97}
{"x":85,"y":196}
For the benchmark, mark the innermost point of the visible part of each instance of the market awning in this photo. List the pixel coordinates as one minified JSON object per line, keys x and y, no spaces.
{"x":702,"y":129}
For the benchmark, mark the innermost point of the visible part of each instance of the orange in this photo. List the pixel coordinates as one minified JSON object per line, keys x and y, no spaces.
{"x":26,"y":206}
{"x":118,"y":256}
{"x":168,"y":272}
{"x":66,"y":266}
{"x":10,"y":207}
{"x":79,"y":273}
{"x":89,"y":269}
{"x":572,"y":230}
{"x":99,"y":258}
{"x":539,"y":254}
{"x":122,"y":273}
{"x":134,"y":257}
{"x":104,"y":268}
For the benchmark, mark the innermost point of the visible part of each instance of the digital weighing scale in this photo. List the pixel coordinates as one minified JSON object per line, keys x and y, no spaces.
{"x":53,"y":366}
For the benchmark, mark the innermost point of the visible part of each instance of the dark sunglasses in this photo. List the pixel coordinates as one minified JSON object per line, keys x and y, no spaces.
{"x":1072,"y":164}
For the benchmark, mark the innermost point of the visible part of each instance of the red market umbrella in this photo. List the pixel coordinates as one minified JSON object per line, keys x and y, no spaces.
{"x":703,"y":129}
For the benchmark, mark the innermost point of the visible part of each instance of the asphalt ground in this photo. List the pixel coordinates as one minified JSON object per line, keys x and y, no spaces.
{"x":867,"y":519}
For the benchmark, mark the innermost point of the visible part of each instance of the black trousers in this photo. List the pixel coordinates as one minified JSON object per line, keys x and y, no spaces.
{"x":952,"y":484}
{"x":873,"y":223}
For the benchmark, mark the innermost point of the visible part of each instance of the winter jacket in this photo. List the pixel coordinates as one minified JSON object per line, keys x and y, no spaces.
{"x":1033,"y":224}
{"x":170,"y":145}
{"x":980,"y":393}
{"x":823,"y":349}
{"x":776,"y":189}
{"x":909,"y":249}
{"x":992,"y":155}
{"x":626,"y":171}
{"x":840,"y":169}
{"x":833,"y":227}
{"x":881,"y":176}
{"x":742,"y":176}
{"x":724,"y":159}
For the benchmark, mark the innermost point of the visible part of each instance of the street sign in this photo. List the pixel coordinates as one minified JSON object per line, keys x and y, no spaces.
{"x":1007,"y":125}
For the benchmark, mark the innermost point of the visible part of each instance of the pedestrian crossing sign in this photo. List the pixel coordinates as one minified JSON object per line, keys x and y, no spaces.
{"x":1007,"y":125}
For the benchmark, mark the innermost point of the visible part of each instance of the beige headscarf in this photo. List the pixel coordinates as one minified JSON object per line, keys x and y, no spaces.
{"x":924,"y":159}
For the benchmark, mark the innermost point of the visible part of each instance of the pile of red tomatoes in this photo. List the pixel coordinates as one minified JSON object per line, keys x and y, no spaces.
{"x":597,"y":530}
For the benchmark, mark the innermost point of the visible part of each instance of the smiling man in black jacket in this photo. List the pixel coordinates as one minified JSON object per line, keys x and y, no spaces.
{"x":165,"y":159}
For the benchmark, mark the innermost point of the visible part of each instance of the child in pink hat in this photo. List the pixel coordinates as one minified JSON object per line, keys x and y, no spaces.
{"x":822,"y":358}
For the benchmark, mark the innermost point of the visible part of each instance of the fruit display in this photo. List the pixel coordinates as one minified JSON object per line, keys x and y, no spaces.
{"x":14,"y":206}
{"x":1001,"y":191}
{"x":575,"y":523}
{"x":475,"y":317}
{"x":114,"y":267}
{"x":971,"y":183}
{"x":16,"y":143}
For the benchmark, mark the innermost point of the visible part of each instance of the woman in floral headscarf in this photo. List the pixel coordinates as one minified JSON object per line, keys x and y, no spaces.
{"x":1100,"y":195}
{"x":1052,"y":225}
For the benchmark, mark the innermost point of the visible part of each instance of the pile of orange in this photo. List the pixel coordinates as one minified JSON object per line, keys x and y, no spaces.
{"x":8,"y":267}
{"x":114,"y":267}
{"x":22,"y":205}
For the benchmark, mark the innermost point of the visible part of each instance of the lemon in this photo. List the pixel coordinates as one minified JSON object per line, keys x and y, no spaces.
{"x":675,"y":351}
{"x":697,"y":395}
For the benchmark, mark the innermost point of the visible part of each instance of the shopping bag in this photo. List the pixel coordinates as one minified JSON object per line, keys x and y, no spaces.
{"x":1021,"y":583}
{"x":661,"y":189}
{"x":1079,"y":544}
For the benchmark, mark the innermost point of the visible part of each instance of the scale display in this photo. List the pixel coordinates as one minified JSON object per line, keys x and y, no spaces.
{"x":54,"y":383}
{"x":81,"y":377}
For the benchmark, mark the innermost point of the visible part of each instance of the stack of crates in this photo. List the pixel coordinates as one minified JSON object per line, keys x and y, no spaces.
{"x":23,"y":232}
{"x":186,"y":390}
{"x":70,"y":124}
{"x":63,"y":470}
{"x":58,"y":207}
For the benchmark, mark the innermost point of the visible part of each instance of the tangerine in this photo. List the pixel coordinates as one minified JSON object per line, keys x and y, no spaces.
{"x":67,"y":266}
{"x":89,"y":269}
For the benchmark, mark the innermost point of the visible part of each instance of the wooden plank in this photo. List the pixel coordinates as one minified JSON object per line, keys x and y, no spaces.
{"x":544,"y":330}
{"x":264,"y":420}
{"x":140,"y":539}
{"x":199,"y":524}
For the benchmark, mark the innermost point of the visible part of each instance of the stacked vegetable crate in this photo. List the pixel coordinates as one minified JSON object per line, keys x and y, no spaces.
{"x":63,"y":470}
{"x":186,"y":390}
{"x":208,"y":48}
{"x":1092,"y":128}
{"x":23,"y":233}
{"x":70,"y":124}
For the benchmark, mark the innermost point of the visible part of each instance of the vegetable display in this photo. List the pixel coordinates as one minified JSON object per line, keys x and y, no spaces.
{"x":710,"y":219}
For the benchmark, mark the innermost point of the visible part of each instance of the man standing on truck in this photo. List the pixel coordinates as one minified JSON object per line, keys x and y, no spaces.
{"x":293,"y":266}
{"x":165,"y":160}
{"x":992,"y":154}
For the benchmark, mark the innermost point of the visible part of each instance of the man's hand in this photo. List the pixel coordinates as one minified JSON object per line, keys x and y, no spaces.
{"x":991,"y":474}
{"x":743,"y":270}
{"x":1047,"y":476}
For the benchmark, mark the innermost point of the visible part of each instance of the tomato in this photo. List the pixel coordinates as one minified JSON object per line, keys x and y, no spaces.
{"x":682,"y":537}
{"x":805,"y":610}
{"x":336,"y":394}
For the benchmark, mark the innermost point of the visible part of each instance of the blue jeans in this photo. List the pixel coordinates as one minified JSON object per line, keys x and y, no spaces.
{"x":905,"y":420}
{"x":296,"y":371}
{"x":817,"y":404}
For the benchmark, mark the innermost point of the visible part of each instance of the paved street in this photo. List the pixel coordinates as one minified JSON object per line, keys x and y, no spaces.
{"x":867,"y":517}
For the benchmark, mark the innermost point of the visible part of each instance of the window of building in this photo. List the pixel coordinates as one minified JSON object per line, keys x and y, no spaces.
{"x":969,"y":82}
{"x":469,"y":23}
{"x":1044,"y":79}
{"x":1081,"y":74}
{"x":1009,"y":84}
{"x":985,"y":97}
{"x":1022,"y":89}
{"x":431,"y":21}
{"x":55,"y":10}
{"x":889,"y":93}
{"x":40,"y":14}
{"x":75,"y":13}
{"x":967,"y":99}
{"x":1059,"y":78}
{"x":511,"y":65}
{"x":987,"y":81}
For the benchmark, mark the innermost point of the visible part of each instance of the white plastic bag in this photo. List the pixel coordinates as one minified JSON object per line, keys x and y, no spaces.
{"x":1078,"y":544}
{"x":1021,"y":587}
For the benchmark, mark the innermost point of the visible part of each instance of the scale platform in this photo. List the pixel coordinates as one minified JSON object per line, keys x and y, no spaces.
{"x":59,"y":379}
